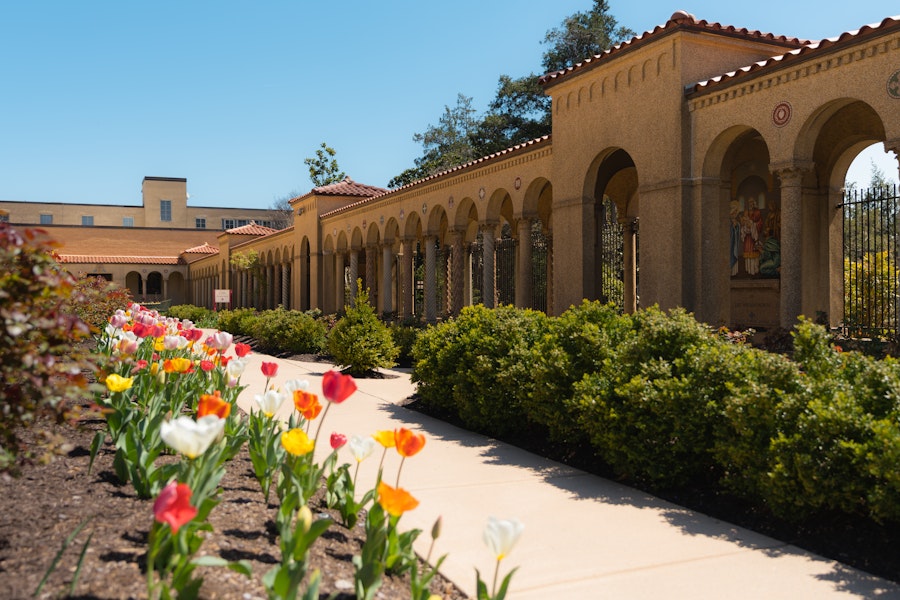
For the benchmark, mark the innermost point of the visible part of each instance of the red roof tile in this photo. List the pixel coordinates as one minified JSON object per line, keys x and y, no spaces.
{"x":800,"y":53}
{"x":477,"y":162}
{"x":136,"y":260}
{"x":204,"y":249}
{"x":679,"y":20}
{"x":251,"y":229}
{"x":348,"y":187}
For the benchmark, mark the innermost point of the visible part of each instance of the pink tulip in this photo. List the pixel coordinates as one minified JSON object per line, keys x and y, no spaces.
{"x":338,"y":440}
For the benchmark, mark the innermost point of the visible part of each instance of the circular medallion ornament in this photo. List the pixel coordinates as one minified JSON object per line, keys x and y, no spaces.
{"x":893,"y":85}
{"x":424,"y":208}
{"x":450,"y":202}
{"x":518,"y":183}
{"x":781,"y":115}
{"x":402,"y":213}
{"x":365,"y":224}
{"x":481,"y":194}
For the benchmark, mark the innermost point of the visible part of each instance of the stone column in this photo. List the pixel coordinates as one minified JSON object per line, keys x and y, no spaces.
{"x":791,"y":176}
{"x":406,"y":278}
{"x":269,"y":282}
{"x":354,"y":275}
{"x":339,"y":299}
{"x":285,"y":286}
{"x":524,"y":274}
{"x":430,"y":279}
{"x":550,"y":271}
{"x":387,"y":263}
{"x":370,"y":283}
{"x":457,"y":271}
{"x":488,"y":243}
{"x":629,"y":259}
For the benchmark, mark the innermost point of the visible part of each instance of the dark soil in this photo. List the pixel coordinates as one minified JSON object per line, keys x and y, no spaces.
{"x":46,"y":504}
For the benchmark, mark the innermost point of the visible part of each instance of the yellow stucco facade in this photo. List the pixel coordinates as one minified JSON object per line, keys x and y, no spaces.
{"x":720,"y":154}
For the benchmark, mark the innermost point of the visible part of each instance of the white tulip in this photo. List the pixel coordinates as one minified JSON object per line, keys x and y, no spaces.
{"x":190,"y":437}
{"x":292,"y":385}
{"x":501,"y":535}
{"x":361,"y":447}
{"x":235,"y":367}
{"x":269,"y":402}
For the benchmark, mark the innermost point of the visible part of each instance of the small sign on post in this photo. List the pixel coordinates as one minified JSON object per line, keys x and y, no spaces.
{"x":221,"y":297}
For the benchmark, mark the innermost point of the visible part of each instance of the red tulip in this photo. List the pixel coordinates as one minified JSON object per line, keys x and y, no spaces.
{"x":407,"y":442}
{"x":337,"y":387}
{"x":338,"y":440}
{"x":207,"y":365}
{"x":269,"y":369}
{"x":241,"y":349}
{"x":172,"y":506}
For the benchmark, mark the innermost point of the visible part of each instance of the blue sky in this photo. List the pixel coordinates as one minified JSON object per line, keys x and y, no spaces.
{"x":235,"y":95}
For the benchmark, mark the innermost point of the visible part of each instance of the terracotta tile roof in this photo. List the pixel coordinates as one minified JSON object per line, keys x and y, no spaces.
{"x":132,"y":260}
{"x":679,"y":20}
{"x":530,"y":144}
{"x":348,"y":187}
{"x":204,"y":249}
{"x":774,"y":62}
{"x":251,"y":228}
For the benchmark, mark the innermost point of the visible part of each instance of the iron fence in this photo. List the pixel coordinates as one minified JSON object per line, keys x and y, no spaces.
{"x":870,"y":254}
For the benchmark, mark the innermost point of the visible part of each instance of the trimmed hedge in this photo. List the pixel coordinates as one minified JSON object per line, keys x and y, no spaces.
{"x":668,"y":402}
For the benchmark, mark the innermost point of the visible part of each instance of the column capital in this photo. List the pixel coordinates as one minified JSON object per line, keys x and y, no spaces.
{"x":791,"y":169}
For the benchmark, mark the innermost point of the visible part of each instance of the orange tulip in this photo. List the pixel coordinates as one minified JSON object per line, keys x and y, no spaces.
{"x":307,"y":404}
{"x":395,"y":501}
{"x":213,"y":404}
{"x":407,"y":442}
{"x":177,"y":365}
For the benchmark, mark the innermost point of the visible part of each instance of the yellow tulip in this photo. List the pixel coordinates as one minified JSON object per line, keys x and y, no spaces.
{"x":117,"y":383}
{"x":296,"y":442}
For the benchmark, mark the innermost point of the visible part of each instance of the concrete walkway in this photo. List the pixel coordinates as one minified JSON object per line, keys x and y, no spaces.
{"x":585,"y":537}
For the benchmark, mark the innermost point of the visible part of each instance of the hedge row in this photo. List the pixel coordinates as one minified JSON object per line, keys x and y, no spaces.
{"x":667,"y":402}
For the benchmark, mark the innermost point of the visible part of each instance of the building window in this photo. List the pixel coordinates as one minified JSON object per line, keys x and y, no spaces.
{"x":201,"y":222}
{"x":233,"y":223}
{"x":127,"y":221}
{"x":4,"y":216}
{"x":87,"y":221}
{"x":46,"y":219}
{"x":165,"y":210}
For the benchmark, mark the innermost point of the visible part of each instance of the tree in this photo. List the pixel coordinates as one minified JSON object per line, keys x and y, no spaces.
{"x":582,"y":35}
{"x":323,"y":169}
{"x":520,"y":111}
{"x":281,"y":213}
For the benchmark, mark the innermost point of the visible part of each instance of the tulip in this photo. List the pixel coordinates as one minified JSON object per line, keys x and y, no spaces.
{"x":241,"y":349}
{"x":172,"y":506}
{"x":337,"y":387}
{"x":269,"y":402}
{"x":177,"y":365}
{"x":118,"y":320}
{"x":128,"y":344}
{"x":385,"y":437}
{"x":296,"y":442}
{"x":235,"y":368}
{"x":192,"y":335}
{"x":307,"y":404}
{"x":207,"y":365}
{"x":407,"y":442}
{"x":171,"y":342}
{"x":501,"y":535}
{"x":269,"y":369}
{"x":337,"y":440}
{"x":395,"y":501}
{"x":361,"y":447}
{"x":220,"y":340}
{"x":190,"y":437}
{"x":213,"y":404}
{"x":293,"y":385}
{"x":117,"y":383}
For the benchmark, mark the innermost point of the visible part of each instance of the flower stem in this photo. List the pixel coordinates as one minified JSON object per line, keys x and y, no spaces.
{"x":402,"y":460}
{"x":496,"y":572}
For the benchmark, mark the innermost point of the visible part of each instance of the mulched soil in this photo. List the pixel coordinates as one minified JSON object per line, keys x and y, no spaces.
{"x":45,"y":505}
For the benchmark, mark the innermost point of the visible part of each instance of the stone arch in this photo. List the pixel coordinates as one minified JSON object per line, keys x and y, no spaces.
{"x":611,"y":272}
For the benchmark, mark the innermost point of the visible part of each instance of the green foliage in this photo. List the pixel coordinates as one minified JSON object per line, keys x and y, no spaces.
{"x":404,"y":337}
{"x":281,"y":330}
{"x":360,"y":341}
{"x":94,"y":299}
{"x":239,"y":321}
{"x":480,"y":366}
{"x":198,"y":315}
{"x":42,"y":363}
{"x":582,"y":35}
{"x":323,"y":169}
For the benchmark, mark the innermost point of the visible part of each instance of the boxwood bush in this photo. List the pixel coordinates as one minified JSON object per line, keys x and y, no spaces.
{"x":290,"y":331}
{"x":359,"y":341}
{"x":238,"y":321}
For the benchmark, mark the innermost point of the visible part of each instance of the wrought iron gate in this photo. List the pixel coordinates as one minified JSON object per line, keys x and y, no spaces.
{"x":870,"y":256}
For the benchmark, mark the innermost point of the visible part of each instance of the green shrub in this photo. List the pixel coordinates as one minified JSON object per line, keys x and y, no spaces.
{"x":652,"y":408}
{"x":95,"y":299}
{"x":281,"y":330}
{"x":198,"y":315}
{"x":359,"y":341}
{"x":577,"y":344}
{"x":238,"y":321}
{"x":404,"y":337}
{"x":483,"y":360}
{"x":42,"y":361}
